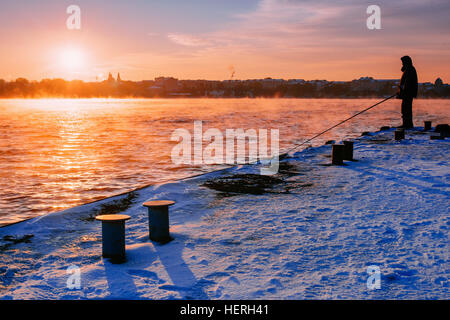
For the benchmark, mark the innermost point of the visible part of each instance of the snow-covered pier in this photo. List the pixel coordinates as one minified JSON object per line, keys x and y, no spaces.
{"x":310,"y":232}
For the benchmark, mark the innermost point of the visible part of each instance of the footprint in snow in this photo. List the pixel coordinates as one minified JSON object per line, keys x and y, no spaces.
{"x":275,"y":282}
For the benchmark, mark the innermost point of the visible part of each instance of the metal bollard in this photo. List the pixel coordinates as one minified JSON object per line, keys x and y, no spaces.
{"x":443,"y":129}
{"x":348,"y":150}
{"x":113,"y":236}
{"x":337,"y":154}
{"x":158,"y":220}
{"x":399,"y":134}
{"x":427,"y":125}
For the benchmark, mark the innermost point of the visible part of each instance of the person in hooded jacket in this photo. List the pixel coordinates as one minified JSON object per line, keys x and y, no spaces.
{"x":407,"y":91}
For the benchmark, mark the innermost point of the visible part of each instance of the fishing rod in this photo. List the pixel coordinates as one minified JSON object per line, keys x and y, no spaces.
{"x":319,"y":134}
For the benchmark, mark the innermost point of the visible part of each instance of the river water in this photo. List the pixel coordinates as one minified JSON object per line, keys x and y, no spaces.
{"x":59,"y":153}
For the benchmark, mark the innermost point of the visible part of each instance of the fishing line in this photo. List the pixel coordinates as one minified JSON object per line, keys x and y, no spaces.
{"x":336,"y":125}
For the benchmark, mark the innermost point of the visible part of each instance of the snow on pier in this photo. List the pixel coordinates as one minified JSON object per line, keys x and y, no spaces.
{"x":309,"y":232}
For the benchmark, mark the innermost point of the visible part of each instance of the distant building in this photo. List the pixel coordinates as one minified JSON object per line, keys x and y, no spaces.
{"x":269,"y":83}
{"x":168,"y":83}
{"x":369,"y":83}
{"x":111,"y":78}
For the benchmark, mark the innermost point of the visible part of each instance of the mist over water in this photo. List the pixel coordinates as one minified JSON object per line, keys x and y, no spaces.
{"x":59,"y":153}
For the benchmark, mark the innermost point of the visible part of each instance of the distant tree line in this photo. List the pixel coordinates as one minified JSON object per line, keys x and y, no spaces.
{"x":60,"y":88}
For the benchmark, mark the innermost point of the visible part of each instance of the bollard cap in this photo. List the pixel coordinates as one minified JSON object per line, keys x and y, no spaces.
{"x":158,"y":203}
{"x":112,"y":217}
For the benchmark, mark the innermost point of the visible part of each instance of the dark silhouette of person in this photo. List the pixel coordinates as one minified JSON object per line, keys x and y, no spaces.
{"x":407,"y":91}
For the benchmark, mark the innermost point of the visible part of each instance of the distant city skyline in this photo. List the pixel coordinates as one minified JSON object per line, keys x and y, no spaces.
{"x":117,"y":75}
{"x":220,"y":40}
{"x":167,"y":87}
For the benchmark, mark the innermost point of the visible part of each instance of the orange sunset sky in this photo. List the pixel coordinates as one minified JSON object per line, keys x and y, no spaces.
{"x":207,"y":39}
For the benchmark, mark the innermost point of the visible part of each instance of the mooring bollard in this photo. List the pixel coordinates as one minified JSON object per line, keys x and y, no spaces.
{"x":113,"y":236}
{"x":427,"y":125}
{"x":443,"y":129}
{"x":399,"y":134}
{"x":158,"y":220}
{"x":337,"y":154}
{"x":348,"y":150}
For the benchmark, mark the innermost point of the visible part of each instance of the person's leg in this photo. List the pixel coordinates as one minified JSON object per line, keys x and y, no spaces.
{"x":404,"y":112}
{"x":407,"y":113}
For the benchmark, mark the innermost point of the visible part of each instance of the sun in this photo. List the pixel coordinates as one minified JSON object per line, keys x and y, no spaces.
{"x":72,"y":59}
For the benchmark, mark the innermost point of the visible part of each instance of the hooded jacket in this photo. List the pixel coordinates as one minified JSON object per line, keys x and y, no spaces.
{"x":408,"y":82}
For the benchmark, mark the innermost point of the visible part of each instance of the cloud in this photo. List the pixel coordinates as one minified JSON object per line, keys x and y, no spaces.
{"x":188,"y":40}
{"x":313,"y":39}
{"x":331,"y":36}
